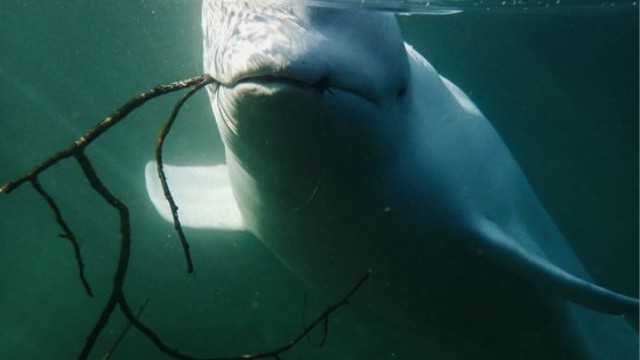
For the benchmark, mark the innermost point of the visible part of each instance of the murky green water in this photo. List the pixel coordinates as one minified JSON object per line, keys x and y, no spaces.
{"x":561,"y":88}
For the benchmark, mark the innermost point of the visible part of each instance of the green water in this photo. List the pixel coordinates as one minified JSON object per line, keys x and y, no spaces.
{"x":561,"y":88}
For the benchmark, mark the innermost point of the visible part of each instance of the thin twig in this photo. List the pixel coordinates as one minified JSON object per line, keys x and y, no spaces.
{"x":323,"y":317}
{"x":163,"y":179}
{"x":124,"y":332}
{"x":68,"y":234}
{"x":174,"y":353}
{"x":123,"y":258}
{"x":105,"y":125}
{"x":325,"y":327}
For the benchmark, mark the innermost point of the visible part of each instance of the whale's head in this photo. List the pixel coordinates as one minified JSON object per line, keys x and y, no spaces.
{"x":361,"y":52}
{"x":300,"y":86}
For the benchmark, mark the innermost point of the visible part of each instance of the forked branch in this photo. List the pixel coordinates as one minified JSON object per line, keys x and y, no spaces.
{"x":117,"y":296}
{"x":105,"y":125}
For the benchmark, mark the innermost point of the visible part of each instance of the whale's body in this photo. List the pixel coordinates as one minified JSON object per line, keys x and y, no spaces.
{"x":346,"y":152}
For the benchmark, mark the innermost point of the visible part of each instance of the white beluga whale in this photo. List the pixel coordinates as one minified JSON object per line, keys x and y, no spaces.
{"x":346,"y":152}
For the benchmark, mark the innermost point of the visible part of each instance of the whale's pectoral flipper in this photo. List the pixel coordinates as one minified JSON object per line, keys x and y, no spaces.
{"x":542,"y":272}
{"x":203,"y":195}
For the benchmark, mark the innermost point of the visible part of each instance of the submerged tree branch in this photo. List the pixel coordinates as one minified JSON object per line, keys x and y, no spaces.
{"x":117,"y":296}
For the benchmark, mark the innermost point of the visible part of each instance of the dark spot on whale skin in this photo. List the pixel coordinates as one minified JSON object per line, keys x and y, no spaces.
{"x":402,"y":92}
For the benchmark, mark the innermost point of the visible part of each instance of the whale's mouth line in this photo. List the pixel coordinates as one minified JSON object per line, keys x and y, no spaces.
{"x":322,"y":86}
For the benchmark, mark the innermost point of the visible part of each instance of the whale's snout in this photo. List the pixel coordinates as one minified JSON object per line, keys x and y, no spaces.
{"x":315,"y":48}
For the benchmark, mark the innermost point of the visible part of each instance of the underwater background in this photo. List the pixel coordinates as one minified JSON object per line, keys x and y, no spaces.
{"x":560,"y":87}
